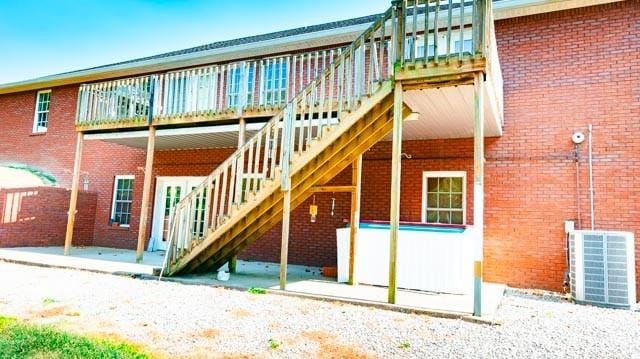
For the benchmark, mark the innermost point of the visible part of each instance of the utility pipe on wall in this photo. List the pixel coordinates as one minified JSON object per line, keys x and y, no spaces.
{"x":593,"y":219}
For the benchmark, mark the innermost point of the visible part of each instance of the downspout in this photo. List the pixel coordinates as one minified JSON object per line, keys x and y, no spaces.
{"x":593,"y":220}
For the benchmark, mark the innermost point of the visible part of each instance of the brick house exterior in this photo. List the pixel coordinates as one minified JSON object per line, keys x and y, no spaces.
{"x":562,"y":71}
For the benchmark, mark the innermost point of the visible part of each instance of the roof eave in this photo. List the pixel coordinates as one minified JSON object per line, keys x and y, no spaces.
{"x":502,"y":10}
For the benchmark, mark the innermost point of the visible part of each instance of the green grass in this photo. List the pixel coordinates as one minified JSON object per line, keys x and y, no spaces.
{"x":19,"y":340}
{"x":273,"y":344}
{"x":254,"y":290}
{"x":404,"y":345}
{"x":49,"y":300}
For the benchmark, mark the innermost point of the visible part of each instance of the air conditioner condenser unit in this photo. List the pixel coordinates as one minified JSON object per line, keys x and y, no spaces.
{"x":603,"y":268}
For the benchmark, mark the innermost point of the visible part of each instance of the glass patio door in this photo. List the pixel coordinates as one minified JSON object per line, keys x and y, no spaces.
{"x":169,"y":192}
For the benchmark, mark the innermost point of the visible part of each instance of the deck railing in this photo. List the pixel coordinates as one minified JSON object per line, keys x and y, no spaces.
{"x":233,"y":89}
{"x":442,"y":31}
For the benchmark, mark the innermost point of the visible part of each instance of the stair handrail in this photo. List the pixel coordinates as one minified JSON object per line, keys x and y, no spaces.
{"x":287,"y":113}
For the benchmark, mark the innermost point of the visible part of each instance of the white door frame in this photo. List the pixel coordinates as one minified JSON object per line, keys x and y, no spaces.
{"x":159,"y":203}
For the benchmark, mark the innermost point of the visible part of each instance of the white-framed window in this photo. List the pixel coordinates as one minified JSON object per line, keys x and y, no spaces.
{"x":122,"y":200}
{"x":235,"y":85}
{"x":276,"y":82}
{"x":41,"y":116}
{"x":466,"y":47}
{"x":444,"y":197}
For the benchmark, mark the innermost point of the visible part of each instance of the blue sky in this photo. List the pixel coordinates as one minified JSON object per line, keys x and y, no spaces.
{"x":44,"y":37}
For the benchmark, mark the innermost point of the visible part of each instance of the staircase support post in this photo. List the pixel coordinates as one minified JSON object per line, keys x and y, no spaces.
{"x":146,"y":194}
{"x":75,"y":182}
{"x":396,"y":172}
{"x":478,"y":189}
{"x":242,"y":128}
{"x":284,"y":248}
{"x":356,"y":181}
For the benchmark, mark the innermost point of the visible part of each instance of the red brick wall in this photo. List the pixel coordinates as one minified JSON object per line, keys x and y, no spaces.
{"x":37,"y":216}
{"x":53,"y":152}
{"x":562,"y":71}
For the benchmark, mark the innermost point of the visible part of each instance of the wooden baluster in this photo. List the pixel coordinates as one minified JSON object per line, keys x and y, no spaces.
{"x":207,"y":206}
{"x":303,"y":112}
{"x":435,"y":32}
{"x":191,"y":222}
{"x":239,"y":177}
{"x":213,"y":100}
{"x":349,"y":82}
{"x":292,"y":83}
{"x":221,"y":95}
{"x":94,"y":100}
{"x":232,"y":185}
{"x":198,"y":212}
{"x":256,"y":165}
{"x":162,"y":105}
{"x":322,"y":109}
{"x":223,"y":192}
{"x":214,"y":207}
{"x":425,"y":37}
{"x":461,"y":50}
{"x":341,"y":68}
{"x":278,"y":85}
{"x":262,"y":84}
{"x":414,"y":34}
{"x":250,"y":170}
{"x":287,"y":76}
{"x":301,"y":72}
{"x":274,"y":150}
{"x":449,"y":17}
{"x":254,"y":66}
{"x":332,"y":73}
{"x":267,"y":150}
{"x":184,"y":96}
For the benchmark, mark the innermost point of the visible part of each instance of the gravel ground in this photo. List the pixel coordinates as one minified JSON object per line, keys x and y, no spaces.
{"x":175,"y":320}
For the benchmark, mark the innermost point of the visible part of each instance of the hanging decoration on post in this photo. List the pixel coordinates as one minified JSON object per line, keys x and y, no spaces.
{"x":333,"y":206}
{"x":313,"y":210}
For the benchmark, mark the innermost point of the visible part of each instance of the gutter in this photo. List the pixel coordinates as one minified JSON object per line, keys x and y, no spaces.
{"x":503,"y":9}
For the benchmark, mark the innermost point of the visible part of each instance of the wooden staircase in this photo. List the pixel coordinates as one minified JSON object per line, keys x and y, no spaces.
{"x":341,"y":113}
{"x":345,"y":108}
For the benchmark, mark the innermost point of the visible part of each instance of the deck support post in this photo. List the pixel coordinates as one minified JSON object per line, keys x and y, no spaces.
{"x":284,"y":247}
{"x":146,"y":194}
{"x":242,"y":130}
{"x":396,"y":172}
{"x":75,"y":183}
{"x":356,"y":181}
{"x":478,"y":189}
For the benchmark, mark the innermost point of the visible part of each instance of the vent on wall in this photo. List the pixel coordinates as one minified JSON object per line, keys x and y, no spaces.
{"x":603,"y":268}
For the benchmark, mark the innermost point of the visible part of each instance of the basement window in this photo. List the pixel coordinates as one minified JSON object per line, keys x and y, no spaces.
{"x":122,"y":200}
{"x":41,"y":116}
{"x":443,"y":197}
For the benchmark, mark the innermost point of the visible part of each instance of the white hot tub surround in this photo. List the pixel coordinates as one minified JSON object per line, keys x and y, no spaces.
{"x":429,"y":258}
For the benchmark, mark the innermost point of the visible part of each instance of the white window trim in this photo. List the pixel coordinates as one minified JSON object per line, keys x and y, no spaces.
{"x":36,"y":128}
{"x":429,"y":174}
{"x":113,"y":200}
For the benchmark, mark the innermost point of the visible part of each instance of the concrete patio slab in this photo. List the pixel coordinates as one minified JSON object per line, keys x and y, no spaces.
{"x":97,"y":259}
{"x":302,"y":281}
{"x":308,"y":281}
